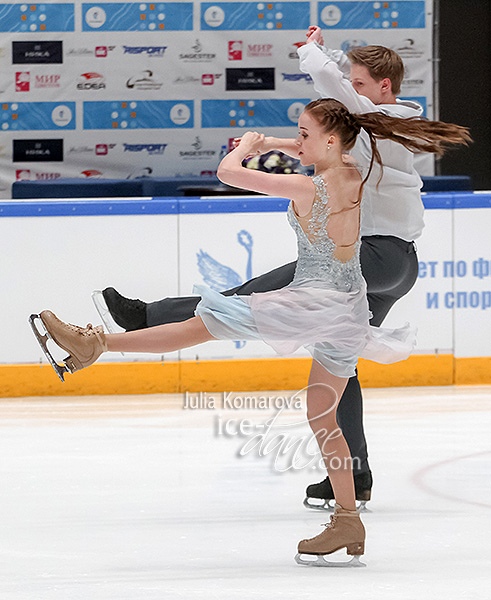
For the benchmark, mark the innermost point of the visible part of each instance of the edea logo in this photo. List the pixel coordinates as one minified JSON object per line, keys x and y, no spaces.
{"x":91,"y":81}
{"x":292,"y":53}
{"x":235,"y":50}
{"x":91,"y":173}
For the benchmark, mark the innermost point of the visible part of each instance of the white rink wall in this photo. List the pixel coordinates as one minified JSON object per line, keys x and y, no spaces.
{"x":56,"y":262}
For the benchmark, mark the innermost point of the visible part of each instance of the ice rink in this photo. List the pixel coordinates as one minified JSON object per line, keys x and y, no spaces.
{"x":136,"y":497}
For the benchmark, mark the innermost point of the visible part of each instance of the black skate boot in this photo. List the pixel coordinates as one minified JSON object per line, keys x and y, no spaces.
{"x":323,"y":491}
{"x":126,"y":313}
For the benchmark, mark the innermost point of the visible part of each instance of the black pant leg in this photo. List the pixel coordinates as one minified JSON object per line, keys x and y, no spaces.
{"x":390,"y":269}
{"x":174,"y":310}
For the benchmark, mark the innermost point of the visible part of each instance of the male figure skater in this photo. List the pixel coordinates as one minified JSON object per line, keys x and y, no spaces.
{"x":366,"y":80}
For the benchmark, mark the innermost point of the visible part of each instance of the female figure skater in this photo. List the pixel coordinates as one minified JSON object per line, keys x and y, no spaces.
{"x":324,"y":308}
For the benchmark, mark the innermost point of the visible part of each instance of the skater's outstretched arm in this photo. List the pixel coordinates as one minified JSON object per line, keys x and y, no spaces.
{"x":288,"y":146}
{"x":298,"y":188}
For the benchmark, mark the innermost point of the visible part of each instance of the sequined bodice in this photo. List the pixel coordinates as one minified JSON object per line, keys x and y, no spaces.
{"x":316,"y":259}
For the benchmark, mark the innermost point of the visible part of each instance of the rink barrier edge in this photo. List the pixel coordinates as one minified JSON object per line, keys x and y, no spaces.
{"x":111,"y":378}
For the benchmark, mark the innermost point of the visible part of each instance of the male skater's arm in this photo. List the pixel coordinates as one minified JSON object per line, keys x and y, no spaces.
{"x":329,"y":70}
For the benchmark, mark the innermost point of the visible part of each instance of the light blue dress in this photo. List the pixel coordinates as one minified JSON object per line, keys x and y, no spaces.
{"x":324,"y":309}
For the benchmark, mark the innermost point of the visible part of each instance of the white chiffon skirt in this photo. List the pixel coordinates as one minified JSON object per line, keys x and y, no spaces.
{"x":332,"y":325}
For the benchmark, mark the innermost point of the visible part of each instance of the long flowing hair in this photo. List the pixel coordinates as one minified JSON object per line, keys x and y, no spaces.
{"x":414,"y":133}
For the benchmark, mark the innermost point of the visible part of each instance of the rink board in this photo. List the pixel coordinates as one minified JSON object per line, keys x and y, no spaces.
{"x":56,"y":252}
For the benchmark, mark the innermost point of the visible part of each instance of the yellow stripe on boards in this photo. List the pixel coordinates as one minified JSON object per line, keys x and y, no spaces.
{"x":231,"y":375}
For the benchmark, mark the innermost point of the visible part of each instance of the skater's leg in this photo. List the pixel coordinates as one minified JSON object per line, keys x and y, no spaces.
{"x":135,"y":314}
{"x":323,"y":395}
{"x":390,"y":269}
{"x":160,"y":339}
{"x":350,"y":419}
{"x":172,"y":310}
{"x":85,"y":344}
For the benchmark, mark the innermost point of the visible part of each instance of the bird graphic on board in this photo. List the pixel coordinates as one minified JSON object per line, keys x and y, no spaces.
{"x":219,"y":277}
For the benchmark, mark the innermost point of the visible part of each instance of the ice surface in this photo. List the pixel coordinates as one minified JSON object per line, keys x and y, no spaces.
{"x":134,"y":497}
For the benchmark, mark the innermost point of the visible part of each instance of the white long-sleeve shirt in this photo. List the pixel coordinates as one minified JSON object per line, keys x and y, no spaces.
{"x":395,"y":207}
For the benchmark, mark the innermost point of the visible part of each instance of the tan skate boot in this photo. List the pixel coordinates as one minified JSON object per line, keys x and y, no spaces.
{"x":84,"y":344}
{"x":345,"y":530}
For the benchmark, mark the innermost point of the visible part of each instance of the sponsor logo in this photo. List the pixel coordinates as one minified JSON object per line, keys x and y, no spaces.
{"x":47,"y":81}
{"x":210,"y":78}
{"x":409,"y":79}
{"x":23,"y":81}
{"x":250,"y":79}
{"x":149,"y":148}
{"x":27,"y":175}
{"x":98,"y":149}
{"x":349,"y":45}
{"x":150,"y":51}
{"x":214,"y":16}
{"x":91,"y":173}
{"x":103,"y":51}
{"x":235,"y":50}
{"x":197,"y":152}
{"x":197,"y":54}
{"x":91,"y":81}
{"x":254,"y":50}
{"x":292,"y":53}
{"x":181,"y":80}
{"x":95,"y":17}
{"x":408,"y":49}
{"x":98,"y":52}
{"x":79,"y":52}
{"x":80,"y":149}
{"x":24,"y":53}
{"x":297,"y":77}
{"x":40,"y":150}
{"x":61,"y":115}
{"x":145,"y":80}
{"x":140,"y":173}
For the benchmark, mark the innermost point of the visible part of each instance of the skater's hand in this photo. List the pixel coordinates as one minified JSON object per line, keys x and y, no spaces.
{"x":314,"y":34}
{"x":252,"y":143}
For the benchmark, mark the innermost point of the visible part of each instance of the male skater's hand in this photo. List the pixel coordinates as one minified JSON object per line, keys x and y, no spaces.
{"x":314,"y":34}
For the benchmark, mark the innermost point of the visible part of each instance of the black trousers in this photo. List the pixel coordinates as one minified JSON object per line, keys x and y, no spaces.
{"x":390,"y":269}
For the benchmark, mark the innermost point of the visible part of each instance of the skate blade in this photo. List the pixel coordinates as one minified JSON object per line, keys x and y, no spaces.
{"x":320,"y":561}
{"x":327,"y":506}
{"x":43,"y":342}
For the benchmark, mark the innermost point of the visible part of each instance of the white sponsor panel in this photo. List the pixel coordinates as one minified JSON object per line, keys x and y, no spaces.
{"x":163,"y":62}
